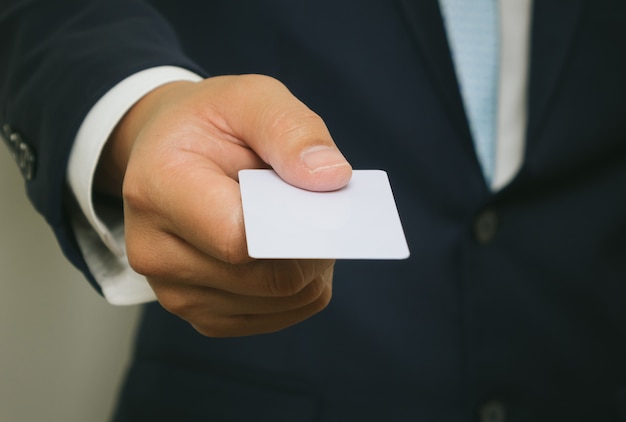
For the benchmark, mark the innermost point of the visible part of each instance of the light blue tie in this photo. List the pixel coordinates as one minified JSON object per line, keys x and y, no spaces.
{"x":474,"y":36}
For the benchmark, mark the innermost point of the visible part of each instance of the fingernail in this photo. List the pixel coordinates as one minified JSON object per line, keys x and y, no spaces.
{"x":322,"y":157}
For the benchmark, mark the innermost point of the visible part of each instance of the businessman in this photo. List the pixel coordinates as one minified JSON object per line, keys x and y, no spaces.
{"x":501,"y":125}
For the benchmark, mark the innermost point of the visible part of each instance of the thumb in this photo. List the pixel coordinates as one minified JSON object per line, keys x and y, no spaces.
{"x":286,"y":134}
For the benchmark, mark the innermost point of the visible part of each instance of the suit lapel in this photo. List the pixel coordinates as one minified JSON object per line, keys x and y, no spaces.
{"x":424,"y":21}
{"x":554,"y":25}
{"x":553,"y":29}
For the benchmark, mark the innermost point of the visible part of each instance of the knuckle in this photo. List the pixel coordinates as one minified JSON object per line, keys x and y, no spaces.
{"x":281,"y":282}
{"x":177,"y":301}
{"x":248,"y":85}
{"x":295,"y":277}
{"x":255,"y":79}
{"x":234,"y":248}
{"x":236,"y":252}
{"x":175,"y":304}
{"x":145,"y":257}
{"x":312,"y":292}
{"x":142,"y":193}
{"x":321,"y":294}
{"x":323,"y":300}
{"x":132,"y":193}
{"x":142,"y":262}
{"x":326,"y":297}
{"x":187,"y":307}
{"x":278,"y":288}
{"x":295,"y":123}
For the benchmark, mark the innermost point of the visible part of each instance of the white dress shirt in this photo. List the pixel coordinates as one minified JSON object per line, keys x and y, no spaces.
{"x":100,"y":231}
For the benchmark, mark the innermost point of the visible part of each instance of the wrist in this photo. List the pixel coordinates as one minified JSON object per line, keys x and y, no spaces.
{"x":115,"y":155}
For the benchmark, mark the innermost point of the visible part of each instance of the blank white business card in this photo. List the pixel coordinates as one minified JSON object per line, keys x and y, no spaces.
{"x":359,"y":221}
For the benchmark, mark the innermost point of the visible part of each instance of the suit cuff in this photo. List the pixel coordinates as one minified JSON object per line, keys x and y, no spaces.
{"x":100,"y":232}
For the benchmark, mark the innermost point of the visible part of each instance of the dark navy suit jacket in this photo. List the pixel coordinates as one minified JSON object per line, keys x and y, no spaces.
{"x":512,"y":305}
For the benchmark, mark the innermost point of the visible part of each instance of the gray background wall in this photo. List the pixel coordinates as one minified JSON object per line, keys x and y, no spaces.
{"x":63,"y":349}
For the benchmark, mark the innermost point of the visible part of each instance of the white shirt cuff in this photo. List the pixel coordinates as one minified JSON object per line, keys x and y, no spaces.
{"x":101,"y":235}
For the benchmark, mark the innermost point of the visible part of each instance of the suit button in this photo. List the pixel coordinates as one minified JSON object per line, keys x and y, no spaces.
{"x":492,"y":411}
{"x":485,"y":226}
{"x":26,"y":161}
{"x":22,"y":153}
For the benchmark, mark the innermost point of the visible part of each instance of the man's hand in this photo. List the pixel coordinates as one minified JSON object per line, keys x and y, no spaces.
{"x":174,"y":159}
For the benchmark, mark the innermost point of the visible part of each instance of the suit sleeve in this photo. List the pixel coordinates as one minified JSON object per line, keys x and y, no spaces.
{"x":56,"y":60}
